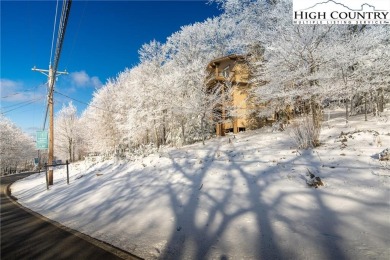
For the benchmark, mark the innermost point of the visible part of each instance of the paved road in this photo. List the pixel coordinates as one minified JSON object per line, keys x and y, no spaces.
{"x":26,"y":236}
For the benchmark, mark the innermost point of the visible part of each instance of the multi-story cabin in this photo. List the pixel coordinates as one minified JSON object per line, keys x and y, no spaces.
{"x":229,"y":75}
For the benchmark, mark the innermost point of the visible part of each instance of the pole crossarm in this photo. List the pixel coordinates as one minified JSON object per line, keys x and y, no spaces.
{"x":51,"y":79}
{"x":46,"y":72}
{"x":41,"y":71}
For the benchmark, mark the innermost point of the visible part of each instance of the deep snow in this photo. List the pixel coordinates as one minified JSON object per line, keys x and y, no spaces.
{"x":244,"y":199}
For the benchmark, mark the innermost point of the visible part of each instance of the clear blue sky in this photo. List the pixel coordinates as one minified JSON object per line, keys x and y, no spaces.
{"x":101,"y":40}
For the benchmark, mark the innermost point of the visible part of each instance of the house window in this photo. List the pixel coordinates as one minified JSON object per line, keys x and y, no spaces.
{"x":225,"y":72}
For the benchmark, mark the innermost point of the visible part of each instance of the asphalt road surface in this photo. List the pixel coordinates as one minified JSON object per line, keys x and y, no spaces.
{"x":27,"y":236}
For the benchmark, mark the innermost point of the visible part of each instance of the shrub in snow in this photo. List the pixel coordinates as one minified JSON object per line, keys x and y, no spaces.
{"x":314,"y":181}
{"x":304,"y":133}
{"x":385,"y":155}
{"x":278,"y":126}
{"x":144,"y":150}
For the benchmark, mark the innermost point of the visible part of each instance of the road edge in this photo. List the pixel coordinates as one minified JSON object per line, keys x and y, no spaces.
{"x":99,"y":243}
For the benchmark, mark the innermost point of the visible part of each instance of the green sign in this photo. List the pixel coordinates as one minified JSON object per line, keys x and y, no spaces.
{"x":42,"y":140}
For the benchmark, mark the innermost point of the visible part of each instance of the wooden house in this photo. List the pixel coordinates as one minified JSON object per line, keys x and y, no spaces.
{"x":229,"y":75}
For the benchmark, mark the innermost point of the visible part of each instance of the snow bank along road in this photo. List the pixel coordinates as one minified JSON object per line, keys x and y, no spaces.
{"x":26,"y":236}
{"x":246,"y":198}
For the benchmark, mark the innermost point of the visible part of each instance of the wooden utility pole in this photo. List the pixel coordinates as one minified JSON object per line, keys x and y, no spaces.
{"x":52,"y":74}
{"x":51,"y":80}
{"x":51,"y":124}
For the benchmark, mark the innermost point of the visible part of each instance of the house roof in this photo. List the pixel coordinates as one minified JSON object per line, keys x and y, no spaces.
{"x":224,"y":58}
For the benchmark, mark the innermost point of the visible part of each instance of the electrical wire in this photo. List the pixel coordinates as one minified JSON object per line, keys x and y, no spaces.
{"x":76,"y":36}
{"x":61,"y":34}
{"x":60,"y":39}
{"x":20,"y":103}
{"x":21,"y":91}
{"x":114,"y":112}
{"x":30,"y":102}
{"x":54,"y":30}
{"x":45,"y":119}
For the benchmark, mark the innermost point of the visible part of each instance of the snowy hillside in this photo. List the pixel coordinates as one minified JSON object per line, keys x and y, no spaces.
{"x":246,"y":198}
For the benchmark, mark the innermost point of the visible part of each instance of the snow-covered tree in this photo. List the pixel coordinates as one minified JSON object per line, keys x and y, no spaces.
{"x":163,"y":100}
{"x":294,"y":58}
{"x":100,"y":132}
{"x":373,"y":69}
{"x":17,"y":149}
{"x":358,"y":63}
{"x":313,"y":63}
{"x":67,"y":136}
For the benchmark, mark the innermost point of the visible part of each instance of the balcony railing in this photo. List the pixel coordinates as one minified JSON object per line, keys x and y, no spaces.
{"x":212,"y":77}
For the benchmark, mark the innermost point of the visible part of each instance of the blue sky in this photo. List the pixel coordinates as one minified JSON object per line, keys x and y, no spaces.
{"x":102,"y":39}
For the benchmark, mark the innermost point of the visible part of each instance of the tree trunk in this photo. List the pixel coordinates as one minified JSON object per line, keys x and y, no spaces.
{"x":73,"y":152}
{"x":183,"y":132}
{"x":70,"y":149}
{"x":383,"y":100}
{"x":352,"y":109}
{"x":164,"y":131}
{"x":346,"y":111}
{"x":350,"y":106}
{"x":202,"y":128}
{"x":315,"y":113}
{"x":164,"y":135}
{"x":380,"y":100}
{"x":374,"y":104}
{"x":156,"y":135}
{"x":365,"y":106}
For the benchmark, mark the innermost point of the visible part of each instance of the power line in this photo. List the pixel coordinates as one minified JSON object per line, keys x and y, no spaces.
{"x":82,"y":102}
{"x":21,"y":91}
{"x":76,"y":35}
{"x":20,"y":103}
{"x":54,"y":30}
{"x":26,"y":104}
{"x":44,"y":120}
{"x":61,"y":34}
{"x":52,"y":73}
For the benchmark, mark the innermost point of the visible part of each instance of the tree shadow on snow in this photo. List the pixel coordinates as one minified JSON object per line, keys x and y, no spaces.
{"x":318,"y":231}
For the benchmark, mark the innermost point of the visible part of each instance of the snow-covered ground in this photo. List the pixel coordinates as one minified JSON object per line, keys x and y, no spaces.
{"x":243,"y":199}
